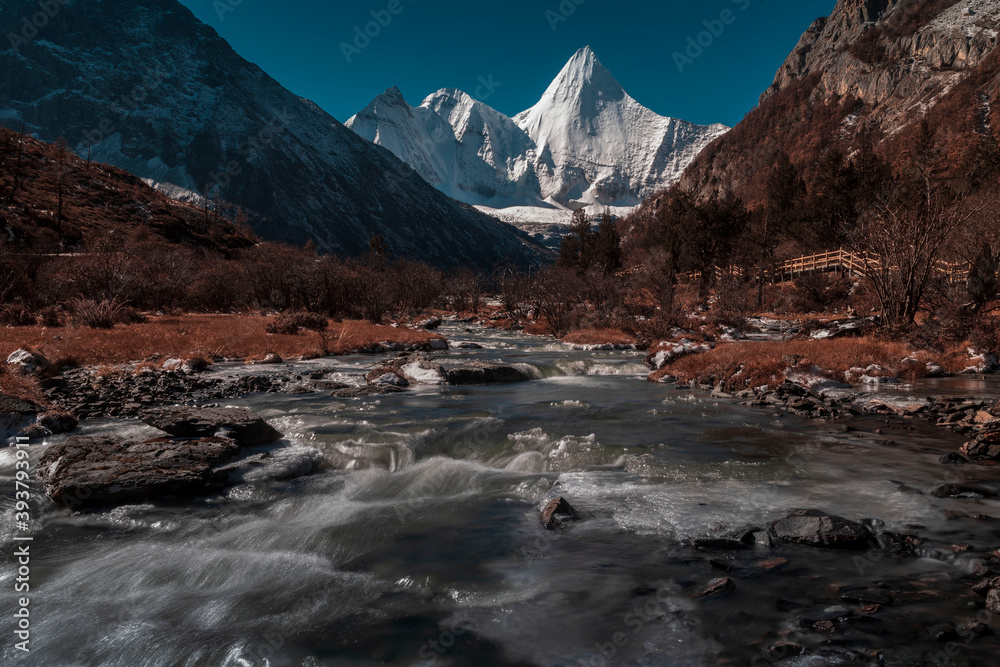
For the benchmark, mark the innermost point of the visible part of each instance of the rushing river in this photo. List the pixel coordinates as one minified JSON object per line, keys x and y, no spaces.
{"x":417,"y":541}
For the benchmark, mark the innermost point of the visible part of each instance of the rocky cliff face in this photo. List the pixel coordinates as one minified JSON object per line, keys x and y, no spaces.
{"x":148,"y":88}
{"x":892,"y":54}
{"x":881,"y":64}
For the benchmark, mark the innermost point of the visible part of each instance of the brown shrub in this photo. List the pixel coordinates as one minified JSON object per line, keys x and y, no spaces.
{"x":599,"y":337}
{"x":18,"y":385}
{"x":50,"y":317}
{"x":104,"y":314}
{"x":294,"y":323}
{"x":820,"y":291}
{"x":16,"y":315}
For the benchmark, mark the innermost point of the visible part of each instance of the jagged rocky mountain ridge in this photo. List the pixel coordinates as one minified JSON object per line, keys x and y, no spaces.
{"x":160,"y":94}
{"x":586,"y":143}
{"x":885,"y":65}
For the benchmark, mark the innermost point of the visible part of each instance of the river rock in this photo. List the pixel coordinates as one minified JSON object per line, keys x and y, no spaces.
{"x":482,"y":373}
{"x":269,"y":360}
{"x":814,"y":528}
{"x":666,"y":352}
{"x":30,"y":420}
{"x":985,"y":446}
{"x":27,"y":362}
{"x":430,"y":324}
{"x":715,"y":587}
{"x":984,"y":587}
{"x":243,"y":426}
{"x":993,"y":601}
{"x":360,"y":392}
{"x":962,"y":491}
{"x":85,"y":472}
{"x":50,"y":422}
{"x":867,"y":596}
{"x":381,"y":377}
{"x":557,"y":513}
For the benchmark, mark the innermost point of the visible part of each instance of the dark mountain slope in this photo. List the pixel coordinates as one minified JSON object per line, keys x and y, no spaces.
{"x":147,"y":87}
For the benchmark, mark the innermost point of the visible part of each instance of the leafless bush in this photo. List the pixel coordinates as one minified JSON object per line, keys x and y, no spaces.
{"x":420,"y":285}
{"x":219,"y":286}
{"x":902,"y":243}
{"x":517,"y":293}
{"x":50,"y":316}
{"x":296,"y":323}
{"x":465,"y":289}
{"x":734,"y":302}
{"x":104,"y":314}
{"x":559,"y":295}
{"x":372,"y":292}
{"x":820,"y":291}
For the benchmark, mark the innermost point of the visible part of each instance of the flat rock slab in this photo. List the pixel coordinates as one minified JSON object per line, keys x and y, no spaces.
{"x":816,"y":529}
{"x":243,"y":426}
{"x":85,"y":472}
{"x":962,"y":491}
{"x":478,"y":373}
{"x":372,"y":390}
{"x":716,"y":587}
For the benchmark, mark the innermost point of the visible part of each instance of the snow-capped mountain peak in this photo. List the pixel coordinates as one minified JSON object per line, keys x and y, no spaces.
{"x":604,"y":146}
{"x":586,"y":142}
{"x":583,"y":83}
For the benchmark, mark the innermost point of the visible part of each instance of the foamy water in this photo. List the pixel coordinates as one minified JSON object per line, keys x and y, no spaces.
{"x":416,"y":539}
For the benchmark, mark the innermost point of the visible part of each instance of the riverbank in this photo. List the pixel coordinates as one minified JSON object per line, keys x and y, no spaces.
{"x":666,"y":486}
{"x":744,"y":365}
{"x":96,"y":373}
{"x":212,"y":337}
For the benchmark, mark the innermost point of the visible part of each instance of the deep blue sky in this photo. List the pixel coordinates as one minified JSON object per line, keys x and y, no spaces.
{"x":436,"y":44}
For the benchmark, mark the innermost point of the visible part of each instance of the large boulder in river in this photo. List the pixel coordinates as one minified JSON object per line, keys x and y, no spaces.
{"x":85,"y":472}
{"x":816,"y":529}
{"x":243,"y":426}
{"x":482,"y":373}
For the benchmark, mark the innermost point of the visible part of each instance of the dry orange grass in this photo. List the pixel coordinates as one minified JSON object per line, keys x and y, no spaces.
{"x":20,"y":386}
{"x":744,"y":365}
{"x":599,"y":337}
{"x":189,"y":336}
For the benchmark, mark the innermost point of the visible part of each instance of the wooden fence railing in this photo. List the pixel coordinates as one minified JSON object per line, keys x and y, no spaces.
{"x":845,"y":261}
